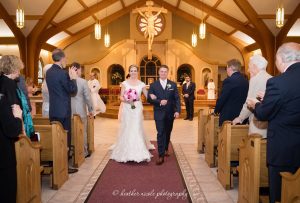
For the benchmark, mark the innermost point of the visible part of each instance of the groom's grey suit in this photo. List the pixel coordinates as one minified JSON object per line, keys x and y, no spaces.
{"x":164,"y":115}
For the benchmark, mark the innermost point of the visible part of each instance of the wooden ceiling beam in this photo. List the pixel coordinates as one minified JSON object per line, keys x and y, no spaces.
{"x":75,"y":19}
{"x":292,"y":39}
{"x":217,"y":3}
{"x":210,"y":28}
{"x":86,"y":31}
{"x":224,"y":18}
{"x":34,"y":42}
{"x":214,"y":6}
{"x":47,"y":18}
{"x":29,"y":17}
{"x":8,"y":40}
{"x":271,"y":16}
{"x":86,"y":7}
{"x":123,"y":4}
{"x":48,"y":47}
{"x":68,"y":32}
{"x":265,"y":39}
{"x":287,"y":26}
{"x":252,"y":47}
{"x":178,"y":3}
{"x":232,"y":32}
{"x":17,"y":32}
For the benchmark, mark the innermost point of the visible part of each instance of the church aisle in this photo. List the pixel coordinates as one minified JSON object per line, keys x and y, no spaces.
{"x":201,"y":181}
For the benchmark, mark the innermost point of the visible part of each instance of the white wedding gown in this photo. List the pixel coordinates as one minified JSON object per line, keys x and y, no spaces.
{"x":132,"y":143}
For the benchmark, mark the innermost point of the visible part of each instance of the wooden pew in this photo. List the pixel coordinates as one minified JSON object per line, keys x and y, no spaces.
{"x":290,"y":187}
{"x":253,"y":171}
{"x":230,"y":136}
{"x":40,"y":120}
{"x":77,"y":140}
{"x":28,"y":171}
{"x":90,"y":135}
{"x":54,"y":148}
{"x":202,"y":120}
{"x":211,"y":139}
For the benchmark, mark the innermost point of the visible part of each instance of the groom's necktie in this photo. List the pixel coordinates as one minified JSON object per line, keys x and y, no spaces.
{"x":163,"y":83}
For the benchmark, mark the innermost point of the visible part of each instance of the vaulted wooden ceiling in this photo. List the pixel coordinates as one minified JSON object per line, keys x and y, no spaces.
{"x":247,"y":24}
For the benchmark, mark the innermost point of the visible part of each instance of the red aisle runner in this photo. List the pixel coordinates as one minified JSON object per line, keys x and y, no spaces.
{"x":140,"y":182}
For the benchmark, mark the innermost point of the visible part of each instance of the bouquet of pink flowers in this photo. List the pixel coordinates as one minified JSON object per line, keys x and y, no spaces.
{"x":131,"y":96}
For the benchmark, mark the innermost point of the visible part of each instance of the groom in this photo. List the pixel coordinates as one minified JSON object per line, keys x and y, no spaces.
{"x":163,"y":94}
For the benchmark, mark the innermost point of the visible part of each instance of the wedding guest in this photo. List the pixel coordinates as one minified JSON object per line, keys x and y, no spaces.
{"x":10,"y":129}
{"x":257,"y":83}
{"x":81,"y":102}
{"x":45,"y":93}
{"x":10,"y":67}
{"x":61,"y":85}
{"x":98,"y":104}
{"x":233,"y":94}
{"x":188,"y":91}
{"x":10,"y":125}
{"x":280,"y":107}
{"x":211,"y":89}
{"x":31,"y":89}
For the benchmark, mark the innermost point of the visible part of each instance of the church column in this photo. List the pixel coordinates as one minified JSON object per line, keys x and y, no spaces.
{"x":34,"y":42}
{"x":17,"y":32}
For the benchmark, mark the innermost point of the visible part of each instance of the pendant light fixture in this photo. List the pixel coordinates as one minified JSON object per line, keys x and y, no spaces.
{"x":106,"y":36}
{"x":194,"y":36}
{"x":20,"y":20}
{"x":97,"y":29}
{"x":279,"y":16}
{"x":202,"y":27}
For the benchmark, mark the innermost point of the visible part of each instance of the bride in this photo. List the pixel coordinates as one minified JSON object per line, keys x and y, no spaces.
{"x":132,"y":143}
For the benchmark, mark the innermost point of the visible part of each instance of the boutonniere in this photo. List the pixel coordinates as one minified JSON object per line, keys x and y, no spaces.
{"x":169,"y":86}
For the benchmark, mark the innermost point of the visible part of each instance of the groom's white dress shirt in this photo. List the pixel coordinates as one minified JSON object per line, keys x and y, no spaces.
{"x":163,"y":83}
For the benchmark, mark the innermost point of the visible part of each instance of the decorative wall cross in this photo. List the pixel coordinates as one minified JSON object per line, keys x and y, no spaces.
{"x":150,"y":23}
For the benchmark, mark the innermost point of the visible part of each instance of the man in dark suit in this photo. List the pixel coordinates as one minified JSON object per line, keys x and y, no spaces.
{"x":163,"y":94}
{"x":280,"y":107}
{"x":188,"y":91}
{"x":233,"y":94}
{"x":61,"y":86}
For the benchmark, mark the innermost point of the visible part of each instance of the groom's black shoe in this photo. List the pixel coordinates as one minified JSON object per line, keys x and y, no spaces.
{"x":160,"y":161}
{"x":186,"y":119}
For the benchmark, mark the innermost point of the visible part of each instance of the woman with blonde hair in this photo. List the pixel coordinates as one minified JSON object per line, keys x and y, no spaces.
{"x":10,"y":125}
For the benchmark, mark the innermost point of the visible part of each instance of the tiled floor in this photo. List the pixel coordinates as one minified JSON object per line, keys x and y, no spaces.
{"x":184,"y":138}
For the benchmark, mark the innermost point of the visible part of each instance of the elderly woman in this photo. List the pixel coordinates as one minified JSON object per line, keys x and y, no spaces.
{"x":10,"y":67}
{"x":45,"y":93}
{"x":257,"y":84}
{"x":10,"y":126}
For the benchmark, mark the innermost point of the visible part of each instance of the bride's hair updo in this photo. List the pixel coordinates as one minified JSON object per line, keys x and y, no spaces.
{"x":133,"y":66}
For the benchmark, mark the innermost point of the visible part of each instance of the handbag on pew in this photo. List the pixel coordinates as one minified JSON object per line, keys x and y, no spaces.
{"x":260,"y":124}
